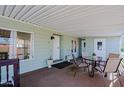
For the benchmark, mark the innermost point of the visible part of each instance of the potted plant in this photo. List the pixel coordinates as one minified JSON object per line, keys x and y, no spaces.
{"x":68,"y":58}
{"x":94,"y":56}
{"x":122,"y":52}
{"x":49,"y":62}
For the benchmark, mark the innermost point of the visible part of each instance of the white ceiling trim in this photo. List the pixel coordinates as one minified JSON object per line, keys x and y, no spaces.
{"x":41,"y":27}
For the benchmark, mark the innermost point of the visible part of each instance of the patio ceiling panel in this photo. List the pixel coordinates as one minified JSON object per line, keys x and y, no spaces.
{"x":43,"y":12}
{"x":25,"y":10}
{"x":82,"y":20}
{"x":1,"y":9}
{"x":9,"y":10}
{"x":16,"y":11}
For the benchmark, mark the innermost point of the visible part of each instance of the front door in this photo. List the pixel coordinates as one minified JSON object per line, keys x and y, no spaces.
{"x":56,"y":47}
{"x":100,"y":48}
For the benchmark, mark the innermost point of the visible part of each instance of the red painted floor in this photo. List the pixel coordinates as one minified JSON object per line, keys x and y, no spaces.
{"x":54,"y":77}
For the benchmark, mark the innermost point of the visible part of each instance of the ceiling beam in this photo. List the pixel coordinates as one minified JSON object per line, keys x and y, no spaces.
{"x":12,"y":10}
{"x":35,"y":13}
{"x":43,"y":14}
{"x":76,"y":15}
{"x":4,"y":10}
{"x":26,"y":11}
{"x":59,"y":10}
{"x":19,"y":11}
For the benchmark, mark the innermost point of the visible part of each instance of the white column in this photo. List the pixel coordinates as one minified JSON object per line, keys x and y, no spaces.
{"x":31,"y":45}
{"x":12,"y":46}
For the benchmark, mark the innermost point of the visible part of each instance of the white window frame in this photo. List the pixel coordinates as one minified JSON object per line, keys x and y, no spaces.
{"x":31,"y":47}
{"x":14,"y":54}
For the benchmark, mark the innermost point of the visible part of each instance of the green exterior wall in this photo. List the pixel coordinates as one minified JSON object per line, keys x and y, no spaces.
{"x":42,"y":43}
{"x":112,"y":44}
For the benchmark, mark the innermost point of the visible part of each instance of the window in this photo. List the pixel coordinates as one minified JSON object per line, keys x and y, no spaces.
{"x":72,"y":46}
{"x":15,"y":44}
{"x":75,"y":46}
{"x":23,"y":45}
{"x":99,"y":45}
{"x":84,"y":44}
{"x":4,"y":44}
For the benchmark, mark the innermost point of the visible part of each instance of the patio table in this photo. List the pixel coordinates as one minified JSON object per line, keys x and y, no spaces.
{"x":93,"y":63}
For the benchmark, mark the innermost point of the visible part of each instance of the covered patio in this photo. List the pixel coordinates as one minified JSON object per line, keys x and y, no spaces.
{"x":42,"y":36}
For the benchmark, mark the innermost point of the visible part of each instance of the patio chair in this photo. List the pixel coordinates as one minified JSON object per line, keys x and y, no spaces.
{"x":111,"y":66}
{"x":113,"y":55}
{"x":78,"y":65}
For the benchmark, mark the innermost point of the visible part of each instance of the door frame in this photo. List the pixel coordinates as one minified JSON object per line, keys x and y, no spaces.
{"x":102,"y":40}
{"x":59,"y":47}
{"x":83,"y":46}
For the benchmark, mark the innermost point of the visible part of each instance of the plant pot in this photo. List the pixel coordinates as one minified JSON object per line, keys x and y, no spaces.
{"x":68,"y":58}
{"x":94,"y":57}
{"x":49,"y":63}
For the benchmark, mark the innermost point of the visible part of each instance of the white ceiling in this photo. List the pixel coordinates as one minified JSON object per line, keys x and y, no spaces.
{"x":79,"y":21}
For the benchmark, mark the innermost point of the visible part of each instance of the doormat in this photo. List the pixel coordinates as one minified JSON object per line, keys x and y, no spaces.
{"x":62,"y":65}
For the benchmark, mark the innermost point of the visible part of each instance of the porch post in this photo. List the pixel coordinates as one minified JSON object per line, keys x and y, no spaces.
{"x":12,"y":46}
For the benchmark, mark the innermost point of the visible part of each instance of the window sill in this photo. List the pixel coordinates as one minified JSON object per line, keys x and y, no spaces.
{"x":26,"y":60}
